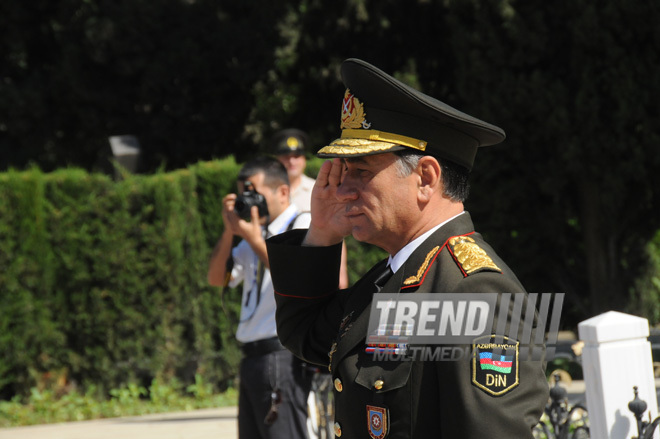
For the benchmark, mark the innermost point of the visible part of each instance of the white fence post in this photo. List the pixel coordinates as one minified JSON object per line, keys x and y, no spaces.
{"x":616,"y":356}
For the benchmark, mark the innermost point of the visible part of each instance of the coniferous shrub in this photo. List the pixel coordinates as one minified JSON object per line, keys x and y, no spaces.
{"x":103,"y":283}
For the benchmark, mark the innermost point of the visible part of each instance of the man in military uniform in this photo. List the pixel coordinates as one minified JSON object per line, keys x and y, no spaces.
{"x":289,"y":147}
{"x":398,"y":180}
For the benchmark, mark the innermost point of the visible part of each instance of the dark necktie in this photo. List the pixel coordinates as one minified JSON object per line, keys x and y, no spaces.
{"x":383,"y":277}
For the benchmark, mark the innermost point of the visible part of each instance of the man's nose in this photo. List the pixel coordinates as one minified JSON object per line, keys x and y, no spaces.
{"x":347,"y":191}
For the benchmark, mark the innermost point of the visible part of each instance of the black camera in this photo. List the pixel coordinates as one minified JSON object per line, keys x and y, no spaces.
{"x":249,"y":198}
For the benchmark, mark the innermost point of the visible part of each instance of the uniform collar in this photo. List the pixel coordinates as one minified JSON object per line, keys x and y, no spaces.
{"x":395,"y":262}
{"x":410,"y":276}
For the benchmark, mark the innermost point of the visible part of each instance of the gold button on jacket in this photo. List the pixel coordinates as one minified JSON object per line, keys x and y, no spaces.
{"x":417,"y":399}
{"x":337,"y":429}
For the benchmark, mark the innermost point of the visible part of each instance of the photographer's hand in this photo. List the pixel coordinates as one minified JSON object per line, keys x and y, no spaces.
{"x":252,"y":232}
{"x":217,"y":273}
{"x":229,"y":216}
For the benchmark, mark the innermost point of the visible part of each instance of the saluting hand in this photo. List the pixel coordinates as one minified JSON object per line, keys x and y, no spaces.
{"x":329,"y":224}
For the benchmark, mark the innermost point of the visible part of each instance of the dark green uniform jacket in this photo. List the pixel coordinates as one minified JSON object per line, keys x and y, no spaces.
{"x":404,"y":399}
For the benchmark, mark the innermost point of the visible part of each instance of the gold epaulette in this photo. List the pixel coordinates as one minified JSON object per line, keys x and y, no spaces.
{"x":469,"y":256}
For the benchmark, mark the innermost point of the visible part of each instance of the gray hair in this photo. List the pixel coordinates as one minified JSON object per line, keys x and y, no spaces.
{"x":406,"y":162}
{"x":455,"y":184}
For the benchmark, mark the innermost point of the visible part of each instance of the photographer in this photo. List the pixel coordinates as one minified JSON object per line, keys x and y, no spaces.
{"x":273,"y":385}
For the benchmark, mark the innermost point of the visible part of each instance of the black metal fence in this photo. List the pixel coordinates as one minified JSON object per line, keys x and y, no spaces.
{"x":561,"y":420}
{"x":638,"y":406}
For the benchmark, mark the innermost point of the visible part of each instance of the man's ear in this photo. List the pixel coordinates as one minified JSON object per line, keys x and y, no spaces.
{"x":283,"y":191}
{"x":429,"y":172}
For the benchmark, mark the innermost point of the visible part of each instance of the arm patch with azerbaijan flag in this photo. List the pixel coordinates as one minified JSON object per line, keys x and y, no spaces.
{"x":495,"y":364}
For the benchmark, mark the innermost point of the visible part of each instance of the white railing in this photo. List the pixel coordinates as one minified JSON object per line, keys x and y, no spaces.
{"x":616,"y":356}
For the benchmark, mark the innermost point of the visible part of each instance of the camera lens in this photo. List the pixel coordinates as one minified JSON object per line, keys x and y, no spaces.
{"x":239,"y":205}
{"x":242,"y":206}
{"x":246,"y":200}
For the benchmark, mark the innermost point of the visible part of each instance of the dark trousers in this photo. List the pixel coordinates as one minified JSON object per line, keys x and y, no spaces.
{"x":260,"y":376}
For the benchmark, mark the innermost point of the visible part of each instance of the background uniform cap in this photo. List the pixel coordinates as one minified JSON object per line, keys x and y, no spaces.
{"x":289,"y":141}
{"x":382,"y":114}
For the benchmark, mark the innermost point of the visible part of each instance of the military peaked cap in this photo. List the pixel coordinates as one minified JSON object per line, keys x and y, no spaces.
{"x":382,"y":114}
{"x":289,"y":141}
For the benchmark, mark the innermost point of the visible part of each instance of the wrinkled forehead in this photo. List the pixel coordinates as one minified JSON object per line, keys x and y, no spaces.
{"x":378,"y":160}
{"x":354,"y":160}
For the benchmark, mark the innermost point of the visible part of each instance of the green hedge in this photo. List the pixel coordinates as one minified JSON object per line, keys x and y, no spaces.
{"x":104,"y":282}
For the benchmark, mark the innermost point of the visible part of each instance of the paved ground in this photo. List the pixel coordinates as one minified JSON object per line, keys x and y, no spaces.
{"x":217,"y":423}
{"x":199,"y":424}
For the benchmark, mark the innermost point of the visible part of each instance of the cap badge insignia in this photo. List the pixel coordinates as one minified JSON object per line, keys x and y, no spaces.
{"x":470,"y":256}
{"x":377,"y":420}
{"x":352,"y":113}
{"x":495,"y":364}
{"x":292,"y":143}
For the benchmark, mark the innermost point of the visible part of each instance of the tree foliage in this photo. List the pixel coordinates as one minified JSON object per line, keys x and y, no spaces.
{"x":104,"y":283}
{"x":177,"y":74}
{"x":570,"y":199}
{"x":576,"y":184}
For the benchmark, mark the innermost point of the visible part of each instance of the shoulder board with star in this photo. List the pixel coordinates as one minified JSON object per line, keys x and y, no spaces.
{"x":469,"y":256}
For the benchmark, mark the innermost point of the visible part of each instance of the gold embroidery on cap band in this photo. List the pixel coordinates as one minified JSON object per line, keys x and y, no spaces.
{"x":355,"y":146}
{"x":382,"y":136}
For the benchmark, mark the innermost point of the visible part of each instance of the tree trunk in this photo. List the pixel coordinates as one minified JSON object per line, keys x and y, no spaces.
{"x":599,"y":251}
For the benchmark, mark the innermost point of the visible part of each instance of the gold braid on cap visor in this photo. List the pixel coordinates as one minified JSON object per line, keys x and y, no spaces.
{"x":364,"y":141}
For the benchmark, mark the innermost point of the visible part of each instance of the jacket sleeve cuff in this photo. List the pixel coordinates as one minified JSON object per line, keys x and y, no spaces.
{"x":306,"y":272}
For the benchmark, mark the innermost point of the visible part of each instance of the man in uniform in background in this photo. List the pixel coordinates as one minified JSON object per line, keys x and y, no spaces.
{"x":289,"y":147}
{"x":398,"y":180}
{"x":273,"y":383}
